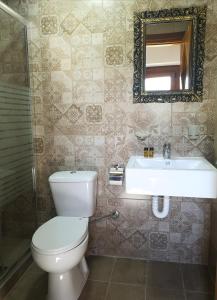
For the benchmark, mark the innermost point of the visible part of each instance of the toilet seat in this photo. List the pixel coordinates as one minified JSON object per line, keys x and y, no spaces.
{"x":60,"y":234}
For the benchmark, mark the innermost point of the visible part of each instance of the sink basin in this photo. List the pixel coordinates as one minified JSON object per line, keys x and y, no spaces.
{"x":178,"y":177}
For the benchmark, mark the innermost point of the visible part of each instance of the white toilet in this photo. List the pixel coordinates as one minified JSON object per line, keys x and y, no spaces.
{"x":59,"y":245}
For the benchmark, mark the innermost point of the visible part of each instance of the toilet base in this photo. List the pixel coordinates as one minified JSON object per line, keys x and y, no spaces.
{"x":68,"y":285}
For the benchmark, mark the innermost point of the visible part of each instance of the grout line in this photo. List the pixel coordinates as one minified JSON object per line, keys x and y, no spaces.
{"x":109,"y":280}
{"x":183,"y":283}
{"x":148,"y":263}
{"x":98,"y":280}
{"x":127,"y":284}
{"x":145,"y":292}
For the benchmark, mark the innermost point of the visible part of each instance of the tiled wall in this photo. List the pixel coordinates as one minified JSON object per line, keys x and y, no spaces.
{"x":81,"y":72}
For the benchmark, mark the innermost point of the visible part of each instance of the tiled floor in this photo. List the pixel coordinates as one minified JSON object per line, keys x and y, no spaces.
{"x":11,"y":250}
{"x":126,"y":279}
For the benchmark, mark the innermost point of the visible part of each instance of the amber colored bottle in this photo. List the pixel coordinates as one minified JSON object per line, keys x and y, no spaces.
{"x":151,"y":152}
{"x":146,"y":152}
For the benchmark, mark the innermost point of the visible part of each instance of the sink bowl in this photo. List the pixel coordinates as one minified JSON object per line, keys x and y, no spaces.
{"x":178,"y":177}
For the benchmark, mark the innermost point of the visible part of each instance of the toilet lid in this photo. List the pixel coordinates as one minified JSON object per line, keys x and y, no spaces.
{"x":60,"y":234}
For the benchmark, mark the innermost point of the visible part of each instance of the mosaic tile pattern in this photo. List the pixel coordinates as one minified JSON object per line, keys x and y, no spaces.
{"x":81,"y":60}
{"x":69,"y":24}
{"x":114,"y":55}
{"x":38,"y":145}
{"x":49,"y":25}
{"x":94,"y":113}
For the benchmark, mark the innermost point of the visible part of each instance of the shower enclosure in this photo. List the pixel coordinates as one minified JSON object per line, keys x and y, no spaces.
{"x":17,"y":197}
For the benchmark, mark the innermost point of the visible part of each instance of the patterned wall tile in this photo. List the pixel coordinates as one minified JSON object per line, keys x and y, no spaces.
{"x":69,"y":24}
{"x":158,"y":240}
{"x":74,"y":113}
{"x":49,"y":25}
{"x":114,"y":55}
{"x":94,"y":113}
{"x":38,"y":145}
{"x":95,"y":20}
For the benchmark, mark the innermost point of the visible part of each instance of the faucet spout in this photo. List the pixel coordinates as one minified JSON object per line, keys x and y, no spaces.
{"x":167,"y":151}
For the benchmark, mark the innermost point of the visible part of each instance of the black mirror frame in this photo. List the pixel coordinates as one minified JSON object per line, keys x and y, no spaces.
{"x":198,"y":16}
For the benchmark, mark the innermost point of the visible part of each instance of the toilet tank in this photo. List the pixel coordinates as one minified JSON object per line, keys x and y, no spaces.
{"x":74,"y":193}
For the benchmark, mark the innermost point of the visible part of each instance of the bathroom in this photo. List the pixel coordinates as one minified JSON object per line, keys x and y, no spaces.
{"x":81,"y":68}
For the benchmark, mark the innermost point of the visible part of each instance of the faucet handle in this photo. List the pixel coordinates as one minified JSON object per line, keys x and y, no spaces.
{"x":167,"y":146}
{"x":167,"y":150}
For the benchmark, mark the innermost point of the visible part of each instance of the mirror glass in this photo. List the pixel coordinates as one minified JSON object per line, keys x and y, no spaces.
{"x":168,"y":56}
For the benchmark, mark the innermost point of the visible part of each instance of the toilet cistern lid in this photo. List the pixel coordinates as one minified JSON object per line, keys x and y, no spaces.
{"x":60,"y":234}
{"x":70,"y":176}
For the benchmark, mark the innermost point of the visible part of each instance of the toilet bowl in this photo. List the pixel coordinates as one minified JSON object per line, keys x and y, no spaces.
{"x":58,"y":247}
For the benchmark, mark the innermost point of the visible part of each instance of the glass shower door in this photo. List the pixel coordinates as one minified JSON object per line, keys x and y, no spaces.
{"x":17,"y":203}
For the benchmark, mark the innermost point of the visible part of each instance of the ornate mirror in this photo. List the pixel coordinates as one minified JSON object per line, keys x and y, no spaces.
{"x":169,"y":55}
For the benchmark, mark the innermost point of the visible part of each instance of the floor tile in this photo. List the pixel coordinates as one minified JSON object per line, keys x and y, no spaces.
{"x":33,"y":268}
{"x":199,"y":296}
{"x":100,"y":267}
{"x":31,"y":286}
{"x":126,"y":292}
{"x":196,"y":278}
{"x":164,"y":275}
{"x":129,"y":271}
{"x":94,"y":290}
{"x":162,"y":294}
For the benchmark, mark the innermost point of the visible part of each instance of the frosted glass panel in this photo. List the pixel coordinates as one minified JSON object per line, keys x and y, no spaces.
{"x":17,"y":203}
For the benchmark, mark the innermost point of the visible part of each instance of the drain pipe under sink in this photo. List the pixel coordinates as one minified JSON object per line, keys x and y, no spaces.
{"x":155,"y":207}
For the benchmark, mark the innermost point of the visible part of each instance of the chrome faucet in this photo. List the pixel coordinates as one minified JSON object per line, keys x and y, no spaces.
{"x":167,"y":151}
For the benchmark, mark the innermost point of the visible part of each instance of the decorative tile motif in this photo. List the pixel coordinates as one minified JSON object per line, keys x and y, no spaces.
{"x":69,"y":24}
{"x":53,"y":114}
{"x":94,"y":21}
{"x":137,"y":239}
{"x":158,"y":240}
{"x":115,"y":86}
{"x":38,"y":145}
{"x":74,"y":113}
{"x":114,"y":55}
{"x":49,"y":25}
{"x":114,"y":36}
{"x":94,"y":113}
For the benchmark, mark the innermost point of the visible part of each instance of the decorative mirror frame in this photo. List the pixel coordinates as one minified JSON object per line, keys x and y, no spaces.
{"x":198,"y":17}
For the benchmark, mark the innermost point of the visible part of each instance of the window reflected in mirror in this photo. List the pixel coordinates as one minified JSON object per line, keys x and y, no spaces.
{"x":168,"y":56}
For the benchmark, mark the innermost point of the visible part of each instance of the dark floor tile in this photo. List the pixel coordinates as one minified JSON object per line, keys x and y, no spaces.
{"x":196,"y":278}
{"x":126,"y":292}
{"x":199,"y":296}
{"x":162,"y":294}
{"x":129,"y":271}
{"x":94,"y":290}
{"x":33,"y":268}
{"x":100,"y":267}
{"x":164,"y":275}
{"x":31,"y":286}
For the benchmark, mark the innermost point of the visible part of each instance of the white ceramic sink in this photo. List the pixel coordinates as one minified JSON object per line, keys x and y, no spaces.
{"x":179,"y":177}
